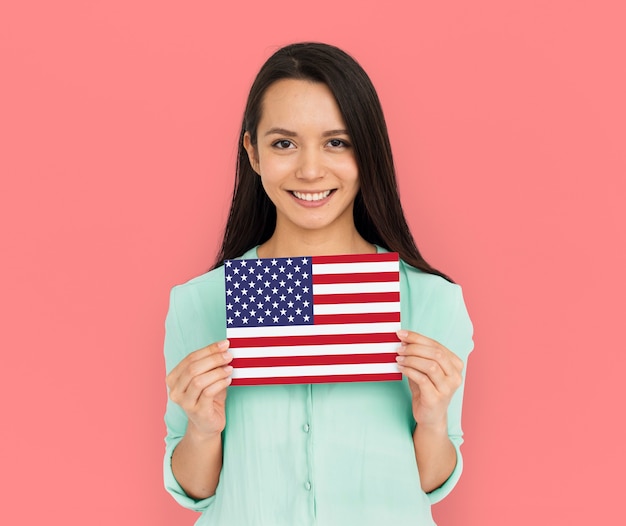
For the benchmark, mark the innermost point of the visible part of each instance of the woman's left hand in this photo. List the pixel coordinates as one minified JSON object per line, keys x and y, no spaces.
{"x":434,"y":374}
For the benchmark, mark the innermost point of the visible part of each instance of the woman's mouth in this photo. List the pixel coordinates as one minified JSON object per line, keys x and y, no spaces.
{"x":311,"y":196}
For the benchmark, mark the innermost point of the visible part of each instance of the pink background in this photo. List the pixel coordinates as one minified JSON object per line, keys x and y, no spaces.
{"x":118,"y":124}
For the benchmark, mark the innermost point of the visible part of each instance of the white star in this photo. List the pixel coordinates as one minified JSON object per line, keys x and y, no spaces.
{"x":274,"y":290}
{"x":244,"y":306}
{"x":259,"y":262}
{"x":259,"y":305}
{"x":298,"y":297}
{"x":282,"y":297}
{"x":274,"y":262}
{"x":289,"y":276}
{"x":283,"y":312}
{"x":229,"y":278}
{"x":230,"y":321}
{"x":297,"y":268}
{"x":281,"y":269}
{"x":290,"y":290}
{"x":244,"y":291}
{"x":305,"y":289}
{"x":259,"y":277}
{"x":245,"y":320}
{"x":289,"y":261}
{"x":298,"y":311}
{"x":266,"y":270}
{"x":305,"y":261}
{"x":306,"y":317}
{"x":267,"y":284}
{"x":297,"y":282}
{"x":275,"y":305}
{"x":290,"y":318}
{"x":244,"y":277}
{"x":243,"y":262}
{"x":305,"y":303}
{"x":228,"y":263}
{"x":260,"y":319}
{"x":235,"y":270}
{"x":268,"y":312}
{"x":252,"y":312}
{"x":290,"y":304}
{"x":275,"y":318}
{"x":237,"y":314}
{"x":229,"y":306}
{"x":259,"y":291}
{"x":274,"y":276}
{"x":251,"y":284}
{"x":281,"y":283}
{"x":305,"y":275}
{"x":229,"y":292}
{"x":237,"y":298}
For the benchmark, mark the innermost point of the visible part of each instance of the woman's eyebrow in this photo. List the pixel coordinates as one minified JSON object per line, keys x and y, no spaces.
{"x":281,"y":131}
{"x":289,"y":133}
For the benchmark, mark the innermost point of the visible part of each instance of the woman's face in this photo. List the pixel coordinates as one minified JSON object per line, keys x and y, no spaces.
{"x":305,"y":159}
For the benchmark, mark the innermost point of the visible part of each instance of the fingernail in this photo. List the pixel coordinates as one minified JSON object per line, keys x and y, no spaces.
{"x":223,"y":344}
{"x":227,"y":356}
{"x":399,"y":359}
{"x":228,"y":368}
{"x":402,"y":334}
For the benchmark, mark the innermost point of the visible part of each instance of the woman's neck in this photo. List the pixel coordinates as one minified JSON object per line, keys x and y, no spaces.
{"x":314,"y":244}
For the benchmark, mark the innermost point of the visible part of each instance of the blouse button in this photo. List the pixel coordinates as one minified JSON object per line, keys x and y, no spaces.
{"x":306,"y":428}
{"x":307,"y":486}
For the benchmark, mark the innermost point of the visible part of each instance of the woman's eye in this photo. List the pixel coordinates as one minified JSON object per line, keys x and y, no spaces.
{"x":283,"y":144}
{"x":337,"y":143}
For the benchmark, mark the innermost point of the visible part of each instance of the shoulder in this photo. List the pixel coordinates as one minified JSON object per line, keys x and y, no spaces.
{"x":433,"y":306}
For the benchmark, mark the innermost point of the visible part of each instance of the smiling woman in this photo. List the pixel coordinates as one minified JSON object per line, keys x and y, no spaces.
{"x":315,"y":177}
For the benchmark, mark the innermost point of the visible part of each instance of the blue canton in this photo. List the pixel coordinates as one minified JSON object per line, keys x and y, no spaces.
{"x":268,"y":292}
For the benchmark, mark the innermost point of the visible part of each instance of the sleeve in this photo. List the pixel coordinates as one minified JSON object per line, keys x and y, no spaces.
{"x":175,"y":418}
{"x":460,"y":342}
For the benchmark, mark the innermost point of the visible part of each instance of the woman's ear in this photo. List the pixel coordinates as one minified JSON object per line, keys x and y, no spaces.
{"x":253,"y":154}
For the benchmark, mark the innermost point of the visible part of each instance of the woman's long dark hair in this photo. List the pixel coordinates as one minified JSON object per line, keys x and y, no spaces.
{"x":378,"y":214}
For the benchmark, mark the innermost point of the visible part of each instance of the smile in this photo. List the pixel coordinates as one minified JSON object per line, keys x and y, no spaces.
{"x":318,"y":196}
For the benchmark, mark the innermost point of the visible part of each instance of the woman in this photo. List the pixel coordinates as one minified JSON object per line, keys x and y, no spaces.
{"x":315,"y":176}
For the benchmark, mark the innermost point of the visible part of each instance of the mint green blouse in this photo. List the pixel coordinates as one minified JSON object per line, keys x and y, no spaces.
{"x":323,"y":454}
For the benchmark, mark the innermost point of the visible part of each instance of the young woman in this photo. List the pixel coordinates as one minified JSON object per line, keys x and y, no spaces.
{"x":315,"y":176}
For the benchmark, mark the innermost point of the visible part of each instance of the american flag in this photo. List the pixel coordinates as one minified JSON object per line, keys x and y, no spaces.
{"x":313,"y":319}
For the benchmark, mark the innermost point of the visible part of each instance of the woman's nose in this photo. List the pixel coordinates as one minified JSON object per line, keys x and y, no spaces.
{"x":310,"y":164}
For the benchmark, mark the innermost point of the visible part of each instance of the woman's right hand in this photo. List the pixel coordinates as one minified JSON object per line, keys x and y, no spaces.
{"x":198,"y":385}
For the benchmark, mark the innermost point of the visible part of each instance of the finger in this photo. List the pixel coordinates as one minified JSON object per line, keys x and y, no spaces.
{"x":201,"y":367}
{"x":420,"y":345}
{"x":190,"y":397}
{"x":425,"y":386}
{"x":201,"y":354}
{"x":430,"y":368}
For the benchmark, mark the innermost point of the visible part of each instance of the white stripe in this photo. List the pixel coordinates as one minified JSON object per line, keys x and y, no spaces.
{"x":316,"y":350}
{"x":355,"y":268}
{"x":312,"y":330}
{"x":356,"y":308}
{"x":353,"y":288}
{"x":315,"y":370}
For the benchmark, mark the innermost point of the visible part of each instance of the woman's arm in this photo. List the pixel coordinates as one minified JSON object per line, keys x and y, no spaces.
{"x":434,"y":374}
{"x":198,"y":385}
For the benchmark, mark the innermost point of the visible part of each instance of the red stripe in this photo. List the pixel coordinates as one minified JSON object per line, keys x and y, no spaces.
{"x":376,"y":317}
{"x":356,"y":258}
{"x":365,"y":297}
{"x":327,"y":359}
{"x":319,"y":339}
{"x":382,"y":377}
{"x":357,"y":277}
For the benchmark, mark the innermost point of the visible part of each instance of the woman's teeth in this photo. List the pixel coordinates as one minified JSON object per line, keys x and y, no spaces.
{"x":312,"y":197}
